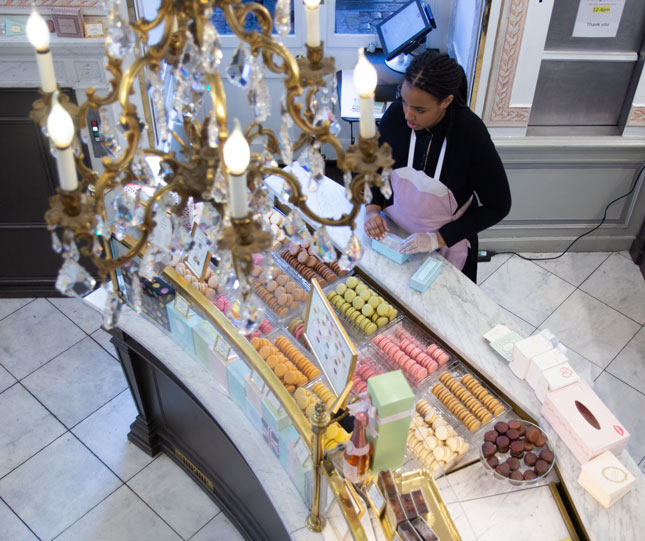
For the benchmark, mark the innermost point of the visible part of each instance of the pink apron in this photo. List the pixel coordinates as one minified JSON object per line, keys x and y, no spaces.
{"x":423,"y":204}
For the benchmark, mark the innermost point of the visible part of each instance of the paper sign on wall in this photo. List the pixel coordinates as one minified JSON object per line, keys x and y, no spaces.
{"x":598,"y":18}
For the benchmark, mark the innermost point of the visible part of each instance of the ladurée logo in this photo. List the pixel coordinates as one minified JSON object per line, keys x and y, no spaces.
{"x":566,"y":372}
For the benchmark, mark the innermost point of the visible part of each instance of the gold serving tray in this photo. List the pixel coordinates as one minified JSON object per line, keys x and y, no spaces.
{"x":438,"y":518}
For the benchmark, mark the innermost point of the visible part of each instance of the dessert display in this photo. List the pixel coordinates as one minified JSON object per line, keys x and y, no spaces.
{"x":275,"y":220}
{"x":209,"y":287}
{"x":281,"y":293}
{"x":516,"y":450}
{"x":324,"y":393}
{"x":304,"y":261}
{"x":360,"y":305}
{"x":289,"y":374}
{"x":294,"y":355}
{"x":224,"y":305}
{"x":432,"y":440}
{"x":366,"y":367}
{"x":467,"y":400}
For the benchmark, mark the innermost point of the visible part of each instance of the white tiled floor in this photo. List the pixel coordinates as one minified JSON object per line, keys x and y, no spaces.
{"x":68,"y":472}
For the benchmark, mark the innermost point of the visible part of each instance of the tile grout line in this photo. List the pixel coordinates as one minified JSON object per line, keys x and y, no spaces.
{"x":204,"y":526}
{"x":18,"y":309}
{"x":74,"y":322}
{"x":18,"y":517}
{"x":584,"y":279}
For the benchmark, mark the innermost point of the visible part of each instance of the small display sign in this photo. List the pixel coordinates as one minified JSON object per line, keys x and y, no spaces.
{"x":598,"y":18}
{"x":328,"y":340}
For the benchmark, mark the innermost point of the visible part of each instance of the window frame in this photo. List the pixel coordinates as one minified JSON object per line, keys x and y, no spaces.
{"x":347,"y":40}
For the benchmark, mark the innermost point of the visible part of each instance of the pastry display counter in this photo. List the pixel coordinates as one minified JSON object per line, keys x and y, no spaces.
{"x":193,"y":412}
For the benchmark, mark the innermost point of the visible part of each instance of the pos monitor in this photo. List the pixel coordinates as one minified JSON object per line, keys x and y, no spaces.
{"x":404,"y":31}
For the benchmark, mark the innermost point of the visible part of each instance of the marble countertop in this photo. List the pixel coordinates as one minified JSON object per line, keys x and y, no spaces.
{"x":459,"y":312}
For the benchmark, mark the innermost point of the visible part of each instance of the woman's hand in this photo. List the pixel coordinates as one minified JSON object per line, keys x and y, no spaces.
{"x":375,"y":225}
{"x":421,"y":242}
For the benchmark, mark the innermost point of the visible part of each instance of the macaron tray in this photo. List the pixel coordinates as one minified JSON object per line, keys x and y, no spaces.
{"x":469,"y":401}
{"x":403,"y":346}
{"x":435,"y":441}
{"x":361,"y":309}
{"x":303,"y":260}
{"x":296,"y":369}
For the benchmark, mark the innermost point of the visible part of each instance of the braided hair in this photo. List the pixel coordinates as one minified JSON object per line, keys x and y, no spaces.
{"x":439,"y":75}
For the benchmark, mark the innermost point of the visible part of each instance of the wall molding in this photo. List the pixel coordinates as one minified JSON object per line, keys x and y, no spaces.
{"x":498,"y":111}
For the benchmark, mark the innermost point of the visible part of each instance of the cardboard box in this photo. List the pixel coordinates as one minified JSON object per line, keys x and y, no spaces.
{"x":389,"y":247}
{"x":204,"y":337}
{"x":393,"y":399}
{"x":549,"y":359}
{"x":425,"y":274}
{"x":606,"y":479}
{"x":182,"y":327}
{"x":525,"y":350}
{"x":554,"y":379}
{"x":237,"y":372}
{"x":583,"y":422}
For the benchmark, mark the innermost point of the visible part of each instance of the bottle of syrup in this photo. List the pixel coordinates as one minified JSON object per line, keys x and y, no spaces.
{"x":356,"y":460}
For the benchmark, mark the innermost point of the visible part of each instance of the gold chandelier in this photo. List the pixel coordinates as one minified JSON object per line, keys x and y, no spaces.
{"x":216,"y":167}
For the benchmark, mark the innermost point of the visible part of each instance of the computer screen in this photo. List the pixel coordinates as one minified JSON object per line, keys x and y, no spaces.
{"x":403,"y":29}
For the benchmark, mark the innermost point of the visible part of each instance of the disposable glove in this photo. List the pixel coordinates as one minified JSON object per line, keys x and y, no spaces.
{"x":420,"y":242}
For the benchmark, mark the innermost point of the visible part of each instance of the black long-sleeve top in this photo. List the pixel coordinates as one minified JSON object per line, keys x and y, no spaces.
{"x":471,"y":166}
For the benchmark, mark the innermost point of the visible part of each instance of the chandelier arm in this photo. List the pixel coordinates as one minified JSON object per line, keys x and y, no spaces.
{"x":94,"y":101}
{"x":183,"y":145}
{"x":338,"y":147}
{"x":143,"y":26}
{"x":218,"y":97}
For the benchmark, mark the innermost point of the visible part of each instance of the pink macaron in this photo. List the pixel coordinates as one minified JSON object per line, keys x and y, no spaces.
{"x":377,"y":339}
{"x":436,"y":353}
{"x":443,"y":358}
{"x":421,"y":372}
{"x":431,"y":348}
{"x":398,"y":356}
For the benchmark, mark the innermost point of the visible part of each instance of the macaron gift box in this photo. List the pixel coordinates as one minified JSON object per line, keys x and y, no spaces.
{"x":549,"y":359}
{"x":606,"y":479}
{"x":237,"y":372}
{"x":555,"y":378}
{"x":525,"y":350}
{"x":425,"y":274}
{"x":394,"y":400}
{"x":389,"y":247}
{"x":182,"y":327}
{"x":583,"y":422}
{"x":204,"y":337}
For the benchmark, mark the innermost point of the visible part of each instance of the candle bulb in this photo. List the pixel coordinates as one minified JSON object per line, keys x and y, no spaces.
{"x":237,"y":155}
{"x":365,"y":84}
{"x":313,"y":22}
{"x":61,"y":131}
{"x":38,"y":35}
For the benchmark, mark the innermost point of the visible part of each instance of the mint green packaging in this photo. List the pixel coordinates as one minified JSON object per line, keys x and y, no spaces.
{"x":204,"y":336}
{"x":393,"y":399}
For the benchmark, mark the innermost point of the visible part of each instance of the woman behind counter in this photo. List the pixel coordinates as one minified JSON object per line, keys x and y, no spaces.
{"x":448,"y":181}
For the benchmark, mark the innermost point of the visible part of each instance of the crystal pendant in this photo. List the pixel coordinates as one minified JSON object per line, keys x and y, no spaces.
{"x":286,"y":193}
{"x":141,"y":169}
{"x":112,"y":309}
{"x":73,"y":280}
{"x":323,"y":245}
{"x":333,"y":89}
{"x":286,"y":146}
{"x":316,"y":170}
{"x":120,"y":39}
{"x":305,"y":156}
{"x":247,"y":313}
{"x":109,"y":137}
{"x":239,"y":70}
{"x":347,"y":180}
{"x":386,"y":187}
{"x":124,"y":207}
{"x":270,"y":270}
{"x":282,"y":17}
{"x":300,"y":231}
{"x":261,"y":200}
{"x":137,"y":294}
{"x":367,"y":194}
{"x":219,"y":191}
{"x":210,"y":223}
{"x":259,"y":96}
{"x":191,"y":76}
{"x":97,"y":247}
{"x":213,"y":130}
{"x":57,"y":246}
{"x":70,"y":250}
{"x":211,"y":44}
{"x":351,"y":254}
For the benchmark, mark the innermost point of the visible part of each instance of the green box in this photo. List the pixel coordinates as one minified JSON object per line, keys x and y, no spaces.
{"x":393,"y":399}
{"x":204,"y":336}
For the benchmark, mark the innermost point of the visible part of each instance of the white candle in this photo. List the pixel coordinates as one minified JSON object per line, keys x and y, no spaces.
{"x":365,"y":84}
{"x":38,"y":35}
{"x":60,"y":127}
{"x":237,"y":155}
{"x":313,"y":22}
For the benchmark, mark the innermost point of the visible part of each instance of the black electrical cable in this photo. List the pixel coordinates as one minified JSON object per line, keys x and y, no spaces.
{"x":604,"y":217}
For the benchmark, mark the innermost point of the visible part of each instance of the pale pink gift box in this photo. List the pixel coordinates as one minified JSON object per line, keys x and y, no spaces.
{"x":583,"y":422}
{"x":606,"y":479}
{"x":544,"y":361}
{"x":525,"y":350}
{"x":554,"y":379}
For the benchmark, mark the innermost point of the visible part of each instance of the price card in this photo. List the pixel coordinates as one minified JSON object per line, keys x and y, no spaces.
{"x":162,"y":233}
{"x":376,"y":499}
{"x":199,"y":254}
{"x":182,"y":306}
{"x":273,"y":400}
{"x":257,"y":380}
{"x":221,"y":347}
{"x":328,"y":340}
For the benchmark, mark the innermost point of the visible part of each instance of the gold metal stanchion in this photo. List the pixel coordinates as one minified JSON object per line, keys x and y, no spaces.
{"x":319,"y":422}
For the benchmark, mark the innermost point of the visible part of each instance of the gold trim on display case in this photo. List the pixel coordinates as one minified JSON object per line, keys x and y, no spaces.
{"x":480,"y":54}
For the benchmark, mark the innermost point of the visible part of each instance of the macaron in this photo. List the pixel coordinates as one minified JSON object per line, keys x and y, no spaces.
{"x":352,"y":282}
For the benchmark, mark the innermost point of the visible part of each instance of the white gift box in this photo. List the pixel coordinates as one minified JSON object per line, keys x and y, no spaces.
{"x":549,"y":359}
{"x":555,"y":378}
{"x":525,"y":350}
{"x":606,"y":479}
